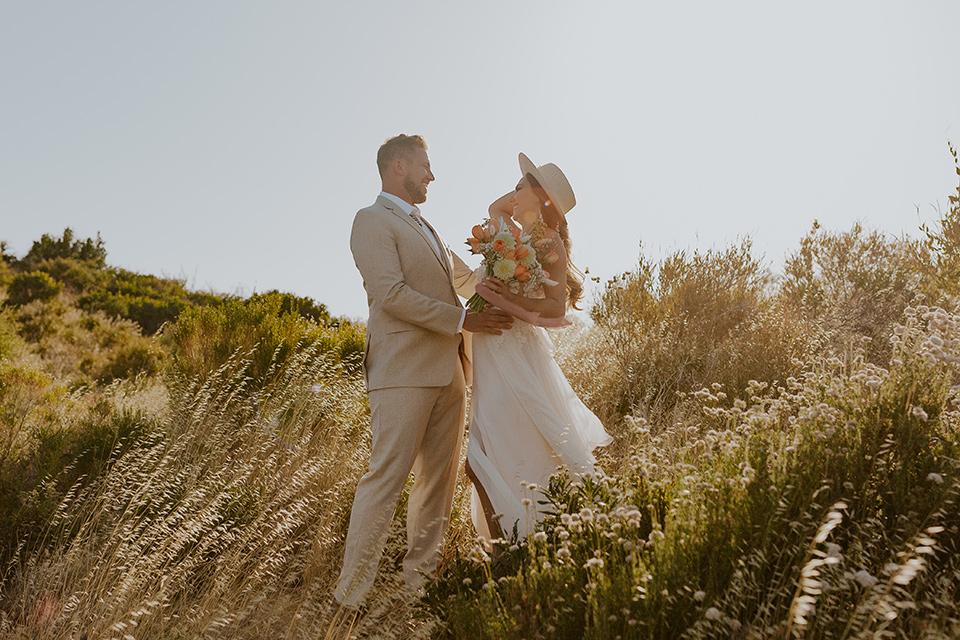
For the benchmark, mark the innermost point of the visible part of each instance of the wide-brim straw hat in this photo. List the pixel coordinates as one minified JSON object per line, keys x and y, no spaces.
{"x":553,"y":182}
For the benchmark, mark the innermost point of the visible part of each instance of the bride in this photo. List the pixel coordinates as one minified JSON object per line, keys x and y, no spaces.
{"x":525,"y":419}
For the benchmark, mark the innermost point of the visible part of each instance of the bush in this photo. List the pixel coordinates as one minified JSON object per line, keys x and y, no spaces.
{"x":59,"y":458}
{"x":6,"y":260}
{"x":76,"y":275}
{"x":83,"y":347}
{"x":149,"y":313}
{"x":10,"y":340}
{"x":690,"y":320}
{"x":204,"y":338}
{"x":27,"y":287}
{"x":846,"y":285}
{"x":940,"y":260}
{"x":66,"y":247}
{"x":139,"y":357}
{"x":147,"y":300}
{"x":306,"y":308}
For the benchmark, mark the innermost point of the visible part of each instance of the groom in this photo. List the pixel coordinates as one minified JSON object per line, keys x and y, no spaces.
{"x":413,"y":369}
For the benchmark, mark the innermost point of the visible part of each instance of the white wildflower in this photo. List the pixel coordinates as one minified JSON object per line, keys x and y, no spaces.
{"x":918,"y":412}
{"x":699,"y":595}
{"x":594,"y":562}
{"x":712,"y":614}
{"x":540,"y":536}
{"x":864,"y":579}
{"x":935,"y":478}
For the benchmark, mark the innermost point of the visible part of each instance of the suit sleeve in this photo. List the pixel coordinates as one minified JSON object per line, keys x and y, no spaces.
{"x":464,"y":279}
{"x":374,"y":250}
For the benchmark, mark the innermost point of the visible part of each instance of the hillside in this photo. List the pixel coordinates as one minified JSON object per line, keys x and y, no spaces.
{"x":177,"y":464}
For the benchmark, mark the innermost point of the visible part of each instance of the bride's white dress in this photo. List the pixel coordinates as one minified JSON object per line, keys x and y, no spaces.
{"x":525,"y":422}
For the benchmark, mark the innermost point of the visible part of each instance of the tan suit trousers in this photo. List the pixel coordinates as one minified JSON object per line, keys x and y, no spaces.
{"x":417,"y":429}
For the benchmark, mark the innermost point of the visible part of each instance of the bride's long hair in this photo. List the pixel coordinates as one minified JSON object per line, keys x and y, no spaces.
{"x":556,"y":221}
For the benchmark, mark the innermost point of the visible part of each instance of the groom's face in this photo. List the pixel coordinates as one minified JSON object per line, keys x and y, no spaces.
{"x":418,"y":176}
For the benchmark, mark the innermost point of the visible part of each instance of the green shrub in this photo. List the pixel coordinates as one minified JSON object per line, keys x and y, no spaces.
{"x":51,"y":248}
{"x":59,"y":459}
{"x":307,"y":308}
{"x":140,"y":357}
{"x":940,"y":260}
{"x":149,"y":313}
{"x":76,"y":275}
{"x":846,"y":285}
{"x":147,"y":300}
{"x":84,"y":346}
{"x":6,"y":260}
{"x":205,"y":338}
{"x":10,"y":340}
{"x":690,"y":320}
{"x":27,"y":287}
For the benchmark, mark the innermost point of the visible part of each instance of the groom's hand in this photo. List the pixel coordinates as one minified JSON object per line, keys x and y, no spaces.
{"x":492,"y":320}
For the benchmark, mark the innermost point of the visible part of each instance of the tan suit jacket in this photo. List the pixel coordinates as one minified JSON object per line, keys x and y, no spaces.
{"x":412,"y":337}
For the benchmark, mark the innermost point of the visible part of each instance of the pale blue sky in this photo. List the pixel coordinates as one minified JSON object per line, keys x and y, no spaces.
{"x":231,"y":142}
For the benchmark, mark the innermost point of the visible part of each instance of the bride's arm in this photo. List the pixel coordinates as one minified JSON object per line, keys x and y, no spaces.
{"x":554,"y":305}
{"x":501,"y":207}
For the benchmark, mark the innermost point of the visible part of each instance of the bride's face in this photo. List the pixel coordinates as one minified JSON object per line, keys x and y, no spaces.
{"x":526,"y":204}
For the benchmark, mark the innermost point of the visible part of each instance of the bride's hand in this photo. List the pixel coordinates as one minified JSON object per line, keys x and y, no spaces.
{"x":496,"y":286}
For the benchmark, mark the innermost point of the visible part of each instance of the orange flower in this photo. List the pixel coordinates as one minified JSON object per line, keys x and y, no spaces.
{"x":491,"y":231}
{"x":521,"y":273}
{"x":474,"y":244}
{"x":499,"y":245}
{"x":510,"y":255}
{"x":552,"y":257}
{"x":522,"y":252}
{"x":478,"y":232}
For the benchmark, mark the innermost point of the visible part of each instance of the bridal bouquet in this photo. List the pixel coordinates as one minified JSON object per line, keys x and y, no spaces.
{"x":511,"y":256}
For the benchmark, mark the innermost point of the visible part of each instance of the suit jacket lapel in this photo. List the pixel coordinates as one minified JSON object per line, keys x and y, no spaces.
{"x":445,"y":260}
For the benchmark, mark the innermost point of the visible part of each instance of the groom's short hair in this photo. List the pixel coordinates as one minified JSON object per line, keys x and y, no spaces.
{"x":400,"y":146}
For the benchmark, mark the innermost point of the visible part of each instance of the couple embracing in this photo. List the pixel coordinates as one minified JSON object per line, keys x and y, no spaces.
{"x":525,"y":419}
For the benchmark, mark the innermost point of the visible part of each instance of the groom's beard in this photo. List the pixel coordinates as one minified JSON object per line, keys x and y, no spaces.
{"x":416,"y":191}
